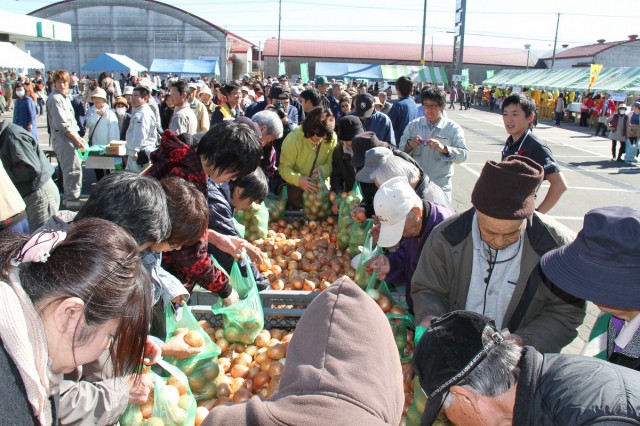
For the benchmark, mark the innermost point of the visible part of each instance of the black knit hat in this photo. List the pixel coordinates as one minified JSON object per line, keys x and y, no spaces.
{"x":448,"y":352}
{"x":506,"y":190}
{"x":349,"y":127}
{"x":361,"y":144}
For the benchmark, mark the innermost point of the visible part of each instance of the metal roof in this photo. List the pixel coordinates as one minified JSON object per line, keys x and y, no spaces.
{"x":395,"y":52}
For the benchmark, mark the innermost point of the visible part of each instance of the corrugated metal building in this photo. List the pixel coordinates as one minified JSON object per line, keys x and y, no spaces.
{"x":142,"y":30}
{"x":477,"y":59}
{"x":624,"y":53}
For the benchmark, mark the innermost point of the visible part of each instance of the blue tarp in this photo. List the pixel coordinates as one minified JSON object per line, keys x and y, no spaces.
{"x":185,"y":66}
{"x":337,"y":69}
{"x":113,"y":62}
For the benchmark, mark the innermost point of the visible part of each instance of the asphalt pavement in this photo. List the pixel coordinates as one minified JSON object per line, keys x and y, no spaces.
{"x":593,"y":179}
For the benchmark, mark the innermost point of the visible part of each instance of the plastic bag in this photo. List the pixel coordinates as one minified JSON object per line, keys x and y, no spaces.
{"x":243,"y":320}
{"x":171,"y":404}
{"x":362,"y":278}
{"x":631,"y":150}
{"x":240,"y":228}
{"x":277,"y":205}
{"x":255,"y":220}
{"x":347,"y":204}
{"x":202,"y":368}
{"x":358,"y":233}
{"x":317,"y":206}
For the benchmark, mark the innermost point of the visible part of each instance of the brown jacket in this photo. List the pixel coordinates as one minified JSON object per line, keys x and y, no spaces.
{"x":342,"y":368}
{"x":440,"y":283}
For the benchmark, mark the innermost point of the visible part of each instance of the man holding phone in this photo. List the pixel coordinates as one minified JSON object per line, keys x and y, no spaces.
{"x":434,"y":141}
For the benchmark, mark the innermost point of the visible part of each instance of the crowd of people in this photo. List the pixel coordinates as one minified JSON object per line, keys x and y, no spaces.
{"x":86,"y":281}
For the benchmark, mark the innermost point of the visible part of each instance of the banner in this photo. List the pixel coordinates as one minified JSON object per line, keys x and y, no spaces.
{"x":304,"y":72}
{"x":281,"y":69}
{"x":490,"y":73}
{"x":595,"y":72}
{"x":465,"y":78}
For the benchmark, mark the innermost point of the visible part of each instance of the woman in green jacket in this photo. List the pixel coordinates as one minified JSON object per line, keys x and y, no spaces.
{"x":306,"y":154}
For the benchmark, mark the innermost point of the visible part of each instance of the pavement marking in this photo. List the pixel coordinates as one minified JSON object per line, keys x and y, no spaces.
{"x":470,"y":170}
{"x":603,"y":189}
{"x":580,"y":218}
{"x":583,"y":171}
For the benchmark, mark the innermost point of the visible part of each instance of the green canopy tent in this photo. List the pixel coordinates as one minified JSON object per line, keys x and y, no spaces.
{"x":612,"y":79}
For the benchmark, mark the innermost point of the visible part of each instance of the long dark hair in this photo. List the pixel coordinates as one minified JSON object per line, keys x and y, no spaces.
{"x":98,"y":263}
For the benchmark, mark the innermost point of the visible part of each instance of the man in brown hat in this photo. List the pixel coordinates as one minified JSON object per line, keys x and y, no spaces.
{"x":486,"y":260}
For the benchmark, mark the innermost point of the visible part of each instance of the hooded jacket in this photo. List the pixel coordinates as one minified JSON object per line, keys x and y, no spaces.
{"x":341,"y":369}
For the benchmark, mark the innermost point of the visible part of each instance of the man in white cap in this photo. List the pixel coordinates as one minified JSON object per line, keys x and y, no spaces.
{"x":202,"y":116}
{"x":205,"y":96}
{"x":128,"y":93}
{"x":406,"y":221}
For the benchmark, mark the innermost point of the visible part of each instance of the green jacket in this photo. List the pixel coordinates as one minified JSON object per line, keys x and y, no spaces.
{"x":24,"y":161}
{"x":298,"y":153}
{"x":440,"y":283}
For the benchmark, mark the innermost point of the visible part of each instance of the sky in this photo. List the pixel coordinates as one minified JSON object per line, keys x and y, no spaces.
{"x":493,"y":23}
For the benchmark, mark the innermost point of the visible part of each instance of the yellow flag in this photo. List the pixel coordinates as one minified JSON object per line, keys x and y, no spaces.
{"x":595,"y":72}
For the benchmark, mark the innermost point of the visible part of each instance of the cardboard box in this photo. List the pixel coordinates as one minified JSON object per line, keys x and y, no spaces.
{"x":115,"y":150}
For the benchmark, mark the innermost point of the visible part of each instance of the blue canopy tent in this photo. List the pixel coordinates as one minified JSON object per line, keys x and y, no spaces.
{"x":337,"y":69}
{"x":113,"y":62}
{"x":185,"y":66}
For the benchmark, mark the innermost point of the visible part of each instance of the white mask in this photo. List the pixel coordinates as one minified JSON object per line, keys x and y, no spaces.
{"x":20,"y":93}
{"x":121,"y":110}
{"x":622,"y":112}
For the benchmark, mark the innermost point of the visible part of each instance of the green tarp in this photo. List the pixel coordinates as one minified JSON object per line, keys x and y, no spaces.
{"x":612,"y":79}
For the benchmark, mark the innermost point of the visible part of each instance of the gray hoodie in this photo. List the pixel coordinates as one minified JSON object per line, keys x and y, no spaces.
{"x":342,"y":368}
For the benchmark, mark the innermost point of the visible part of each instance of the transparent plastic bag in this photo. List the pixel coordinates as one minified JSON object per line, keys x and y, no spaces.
{"x":242,"y":320}
{"x":199,"y":368}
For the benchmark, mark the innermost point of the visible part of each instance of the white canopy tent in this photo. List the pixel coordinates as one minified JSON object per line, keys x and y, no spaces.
{"x":12,"y":57}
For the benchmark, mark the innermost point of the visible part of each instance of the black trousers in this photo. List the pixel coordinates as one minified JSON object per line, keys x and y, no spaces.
{"x":621,"y":150}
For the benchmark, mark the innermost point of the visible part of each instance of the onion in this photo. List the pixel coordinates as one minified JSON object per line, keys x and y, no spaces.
{"x":262,"y":339}
{"x":309,"y":285}
{"x":221,"y":400}
{"x":375,"y":294}
{"x":396,"y":310}
{"x":261,"y":356}
{"x":276,"y":352}
{"x":219,"y":334}
{"x":241,"y":396}
{"x":277,"y":333}
{"x":275,"y":369}
{"x":385,"y":303}
{"x":223,"y":390}
{"x":277,"y":285}
{"x":239,"y":370}
{"x":261,"y":380}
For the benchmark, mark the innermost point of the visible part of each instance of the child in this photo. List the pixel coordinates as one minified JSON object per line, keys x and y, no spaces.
{"x":242,"y":193}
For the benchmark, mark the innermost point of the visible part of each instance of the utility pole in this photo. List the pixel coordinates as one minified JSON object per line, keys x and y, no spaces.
{"x":431,"y":50}
{"x":528,"y":47}
{"x":555,"y":41}
{"x":458,"y":39}
{"x":424,"y":33}
{"x":279,"y":24}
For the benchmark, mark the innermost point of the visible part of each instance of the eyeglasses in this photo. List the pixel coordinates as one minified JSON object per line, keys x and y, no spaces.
{"x":431,"y":106}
